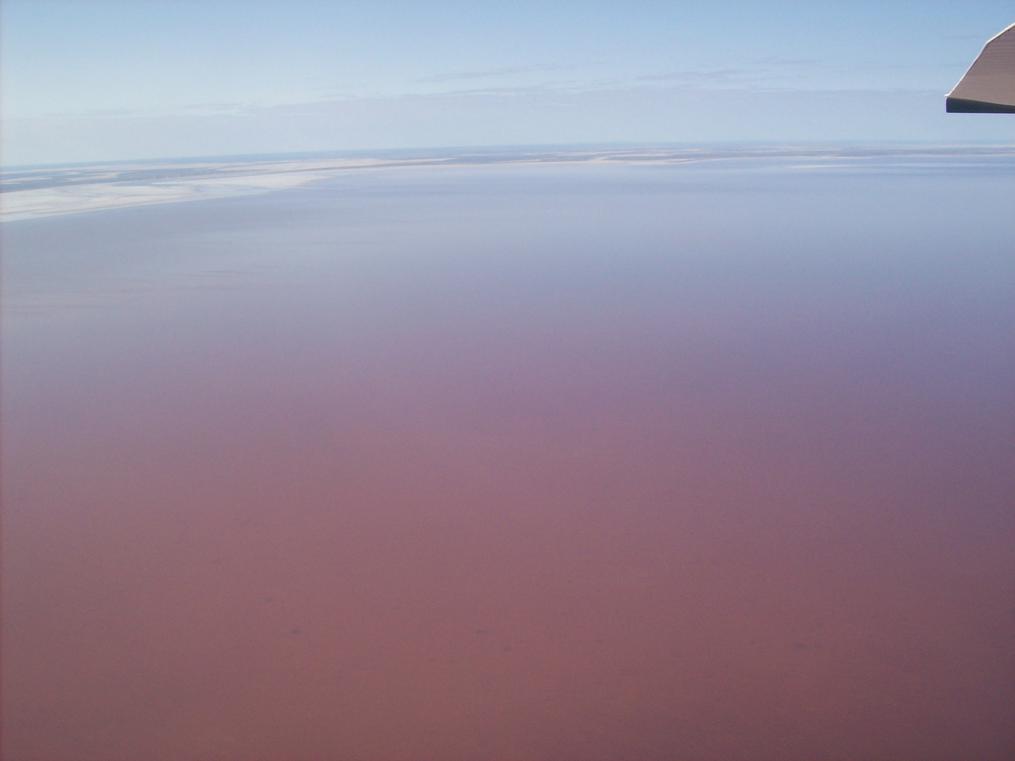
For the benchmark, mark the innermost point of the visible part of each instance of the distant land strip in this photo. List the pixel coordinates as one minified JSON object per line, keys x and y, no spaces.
{"x":35,"y":192}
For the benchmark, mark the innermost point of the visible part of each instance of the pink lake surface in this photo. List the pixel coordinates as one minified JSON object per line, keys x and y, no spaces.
{"x":516,"y":463}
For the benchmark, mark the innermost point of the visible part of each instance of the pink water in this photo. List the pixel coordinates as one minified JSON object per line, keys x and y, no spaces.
{"x":502,"y":465}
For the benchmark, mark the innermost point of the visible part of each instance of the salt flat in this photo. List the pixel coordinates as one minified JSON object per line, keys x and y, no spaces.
{"x":52,"y":191}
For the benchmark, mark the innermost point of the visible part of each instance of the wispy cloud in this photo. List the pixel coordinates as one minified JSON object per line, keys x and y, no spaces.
{"x":697,"y":76}
{"x":776,"y":60}
{"x":94,"y":112}
{"x":505,"y":71}
{"x":222,"y":107}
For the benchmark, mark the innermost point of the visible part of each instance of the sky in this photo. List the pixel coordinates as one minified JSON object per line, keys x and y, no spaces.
{"x":133,"y":79}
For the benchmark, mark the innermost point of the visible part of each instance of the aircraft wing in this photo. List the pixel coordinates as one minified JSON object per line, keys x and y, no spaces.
{"x":989,"y":85}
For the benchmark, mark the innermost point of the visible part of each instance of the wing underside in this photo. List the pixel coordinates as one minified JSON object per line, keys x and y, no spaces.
{"x":989,"y":85}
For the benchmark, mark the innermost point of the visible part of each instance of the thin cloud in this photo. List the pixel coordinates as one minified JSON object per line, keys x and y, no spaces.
{"x":506,"y":71}
{"x":216,"y":108}
{"x":691,"y":76}
{"x":776,"y":60}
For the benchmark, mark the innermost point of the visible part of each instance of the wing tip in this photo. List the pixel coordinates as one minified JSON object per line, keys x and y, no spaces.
{"x":960,"y":105}
{"x":967,"y":106}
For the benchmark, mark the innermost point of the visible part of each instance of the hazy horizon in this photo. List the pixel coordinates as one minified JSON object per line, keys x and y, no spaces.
{"x":434,"y":150}
{"x":43,"y":191}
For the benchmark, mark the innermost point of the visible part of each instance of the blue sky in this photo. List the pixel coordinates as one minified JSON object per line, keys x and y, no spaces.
{"x":112,"y":79}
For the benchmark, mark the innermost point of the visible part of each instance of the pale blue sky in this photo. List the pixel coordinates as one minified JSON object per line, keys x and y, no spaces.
{"x":111,"y":79}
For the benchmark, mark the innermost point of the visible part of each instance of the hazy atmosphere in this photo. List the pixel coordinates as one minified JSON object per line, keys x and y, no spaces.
{"x":540,"y":382}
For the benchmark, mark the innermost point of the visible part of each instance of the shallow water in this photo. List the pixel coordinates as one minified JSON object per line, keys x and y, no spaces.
{"x":710,"y":462}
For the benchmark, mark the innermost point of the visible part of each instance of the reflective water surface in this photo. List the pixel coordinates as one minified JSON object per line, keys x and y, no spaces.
{"x":510,"y":463}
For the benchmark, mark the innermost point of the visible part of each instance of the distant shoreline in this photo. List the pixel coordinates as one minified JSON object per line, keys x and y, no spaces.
{"x":34,"y":193}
